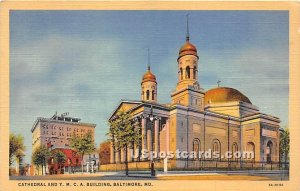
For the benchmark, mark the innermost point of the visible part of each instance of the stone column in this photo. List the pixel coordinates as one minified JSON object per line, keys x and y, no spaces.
{"x":167,"y":135}
{"x":149,"y":140}
{"x":122,"y":156}
{"x":135,"y":152}
{"x":129,"y":151}
{"x":144,"y":134}
{"x":156,"y":129}
{"x":112,"y":154}
{"x":117,"y":157}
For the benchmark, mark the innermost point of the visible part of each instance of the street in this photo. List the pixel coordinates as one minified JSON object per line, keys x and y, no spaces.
{"x":254,"y":176}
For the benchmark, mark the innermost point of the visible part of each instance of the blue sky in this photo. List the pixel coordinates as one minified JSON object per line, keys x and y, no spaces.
{"x":85,"y":62}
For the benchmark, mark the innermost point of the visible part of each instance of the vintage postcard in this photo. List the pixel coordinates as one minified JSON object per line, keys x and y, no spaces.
{"x":149,"y":95}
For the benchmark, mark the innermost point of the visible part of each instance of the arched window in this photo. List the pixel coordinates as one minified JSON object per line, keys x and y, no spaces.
{"x":188,"y":75}
{"x":195,"y":72}
{"x":216,"y":149}
{"x":269,"y":151}
{"x":181,"y":74}
{"x":196,"y":147}
{"x":234,"y":149}
{"x":147,"y":94}
{"x":251,"y":148}
{"x":152,"y":94}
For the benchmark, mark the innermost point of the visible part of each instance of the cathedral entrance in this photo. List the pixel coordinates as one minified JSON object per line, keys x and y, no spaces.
{"x":269,"y":151}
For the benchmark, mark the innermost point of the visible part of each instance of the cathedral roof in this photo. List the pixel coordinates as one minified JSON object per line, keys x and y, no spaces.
{"x":187,"y":49}
{"x":149,"y":76}
{"x":224,"y":94}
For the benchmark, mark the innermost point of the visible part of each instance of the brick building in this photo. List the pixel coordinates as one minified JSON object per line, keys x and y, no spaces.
{"x":73,"y":161}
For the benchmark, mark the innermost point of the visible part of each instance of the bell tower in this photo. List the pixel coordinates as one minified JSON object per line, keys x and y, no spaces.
{"x":149,"y":85}
{"x":188,"y":92}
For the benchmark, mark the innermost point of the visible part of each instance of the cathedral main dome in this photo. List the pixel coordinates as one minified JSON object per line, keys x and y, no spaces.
{"x":224,"y":94}
{"x":187,"y":49}
{"x":149,"y":76}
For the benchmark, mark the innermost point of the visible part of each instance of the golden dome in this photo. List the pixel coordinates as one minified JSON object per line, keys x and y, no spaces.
{"x":224,"y":94}
{"x":187,"y":49}
{"x":149,"y":76}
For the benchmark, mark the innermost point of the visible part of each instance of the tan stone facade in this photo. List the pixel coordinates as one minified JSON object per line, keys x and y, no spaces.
{"x":221,"y":119}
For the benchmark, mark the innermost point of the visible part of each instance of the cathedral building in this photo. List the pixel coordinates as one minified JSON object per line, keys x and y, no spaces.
{"x":221,"y":119}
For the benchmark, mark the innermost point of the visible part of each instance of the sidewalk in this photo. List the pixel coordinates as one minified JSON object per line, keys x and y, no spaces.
{"x":146,"y":174}
{"x":248,"y":172}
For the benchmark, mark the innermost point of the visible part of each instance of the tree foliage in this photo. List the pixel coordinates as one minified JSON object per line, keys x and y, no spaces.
{"x":124,"y":133}
{"x":16,"y":147}
{"x":284,"y":145}
{"x":104,"y":152}
{"x":59,"y":158}
{"x":83,"y":145}
{"x":40,"y":156}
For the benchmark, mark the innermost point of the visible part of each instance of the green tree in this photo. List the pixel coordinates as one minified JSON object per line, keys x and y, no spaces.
{"x":83,"y":145}
{"x":284,"y":145}
{"x":123,"y":133}
{"x":16,"y":148}
{"x":59,"y":158}
{"x":40,"y":156}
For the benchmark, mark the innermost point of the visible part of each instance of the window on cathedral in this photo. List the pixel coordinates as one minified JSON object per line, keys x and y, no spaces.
{"x":194,"y":72}
{"x":196,"y":147}
{"x":234,"y":150}
{"x":188,"y":75}
{"x":181,"y":74}
{"x":269,"y":151}
{"x":147,"y":94}
{"x":152,"y":94}
{"x":216,"y":147}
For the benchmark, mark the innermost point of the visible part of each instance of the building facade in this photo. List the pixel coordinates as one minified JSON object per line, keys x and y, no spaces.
{"x":91,"y":161}
{"x":220,"y":119}
{"x":55,"y":133}
{"x":58,"y":130}
{"x":72,"y":163}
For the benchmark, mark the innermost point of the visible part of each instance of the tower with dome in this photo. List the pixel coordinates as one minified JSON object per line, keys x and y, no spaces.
{"x":220,"y":119}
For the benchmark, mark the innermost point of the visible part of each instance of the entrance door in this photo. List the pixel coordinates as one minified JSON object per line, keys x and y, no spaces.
{"x":269,"y":152}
